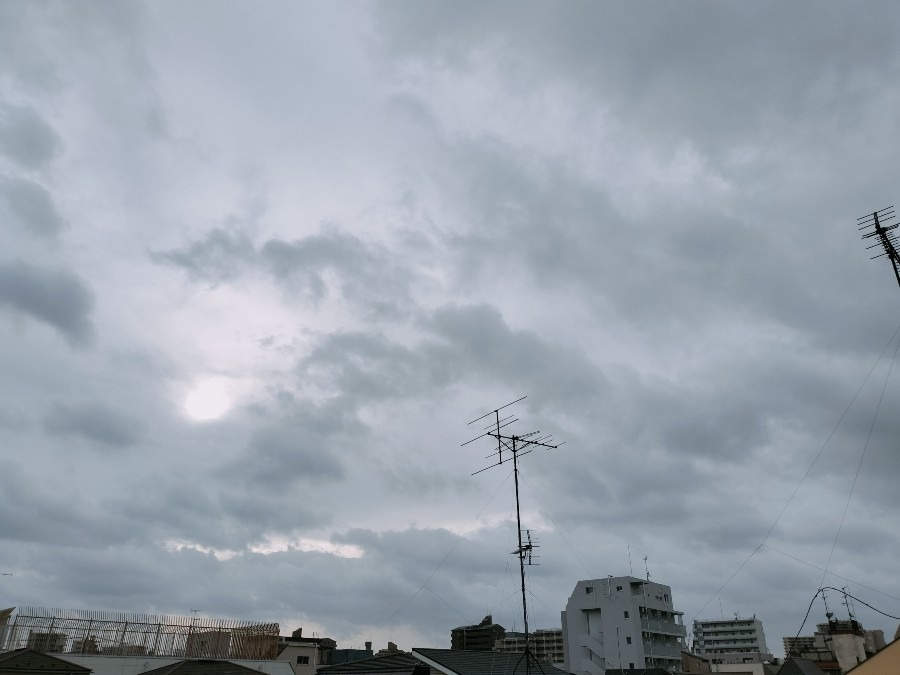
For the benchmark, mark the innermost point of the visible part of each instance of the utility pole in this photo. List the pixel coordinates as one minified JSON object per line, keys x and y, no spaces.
{"x":515,"y":445}
{"x":875,"y":226}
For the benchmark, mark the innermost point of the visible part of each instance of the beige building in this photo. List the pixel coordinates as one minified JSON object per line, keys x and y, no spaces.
{"x":546,"y":645}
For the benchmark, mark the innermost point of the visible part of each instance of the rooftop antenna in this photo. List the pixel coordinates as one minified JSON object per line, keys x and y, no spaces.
{"x":646,"y":569}
{"x":515,"y":445}
{"x":883,"y":235}
{"x":848,"y":603}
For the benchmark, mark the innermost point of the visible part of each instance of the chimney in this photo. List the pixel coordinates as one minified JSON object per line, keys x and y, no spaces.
{"x":369,"y":646}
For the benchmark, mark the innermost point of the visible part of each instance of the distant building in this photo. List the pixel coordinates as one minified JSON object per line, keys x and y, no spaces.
{"x":546,"y":645}
{"x":737,"y":640}
{"x":43,"y":641}
{"x":621,"y":622}
{"x":306,"y":654}
{"x":694,"y":663}
{"x":835,"y":647}
{"x":481,"y":637}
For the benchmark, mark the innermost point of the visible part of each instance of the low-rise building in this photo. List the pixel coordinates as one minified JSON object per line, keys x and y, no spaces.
{"x":479,"y":637}
{"x":546,"y":645}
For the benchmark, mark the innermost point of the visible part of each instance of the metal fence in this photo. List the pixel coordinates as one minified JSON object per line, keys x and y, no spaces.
{"x":97,"y":632}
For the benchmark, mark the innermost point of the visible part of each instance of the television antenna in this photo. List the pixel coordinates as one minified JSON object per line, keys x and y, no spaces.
{"x":883,"y":235}
{"x":515,"y":445}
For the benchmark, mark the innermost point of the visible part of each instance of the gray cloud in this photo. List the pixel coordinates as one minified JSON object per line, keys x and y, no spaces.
{"x":27,"y":139}
{"x":95,"y":422}
{"x":56,"y":297}
{"x":329,"y":265}
{"x":32,"y":205}
{"x":218,"y":257}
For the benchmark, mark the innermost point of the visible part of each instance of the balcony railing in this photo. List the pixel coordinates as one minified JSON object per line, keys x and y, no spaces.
{"x":667,"y":627}
{"x":670,"y":651}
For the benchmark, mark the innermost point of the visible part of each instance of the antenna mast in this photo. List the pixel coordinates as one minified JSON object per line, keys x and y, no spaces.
{"x":515,"y":445}
{"x":883,"y":235}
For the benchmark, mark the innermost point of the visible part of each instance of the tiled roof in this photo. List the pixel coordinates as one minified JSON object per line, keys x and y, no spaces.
{"x":795,"y":666}
{"x":32,"y":661}
{"x":202,"y":667}
{"x":468,"y":662}
{"x":386,"y":663}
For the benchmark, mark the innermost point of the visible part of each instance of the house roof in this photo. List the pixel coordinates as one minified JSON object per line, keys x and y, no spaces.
{"x":795,"y":666}
{"x":469,"y":662}
{"x":202,"y":667}
{"x":386,"y":663}
{"x":637,"y":671}
{"x":33,"y":661}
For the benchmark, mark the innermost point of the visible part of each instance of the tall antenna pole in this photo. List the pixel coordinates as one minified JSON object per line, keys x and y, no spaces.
{"x":515,"y":445}
{"x":883,"y":235}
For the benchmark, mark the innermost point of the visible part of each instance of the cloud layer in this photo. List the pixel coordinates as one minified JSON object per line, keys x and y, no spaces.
{"x":367,"y":225}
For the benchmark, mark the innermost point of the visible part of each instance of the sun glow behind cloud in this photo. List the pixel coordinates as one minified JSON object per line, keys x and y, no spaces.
{"x":208,"y":400}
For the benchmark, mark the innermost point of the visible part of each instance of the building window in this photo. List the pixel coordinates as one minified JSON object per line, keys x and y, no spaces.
{"x":630,"y":666}
{"x":626,"y":614}
{"x":618,"y":588}
{"x":628,"y":641}
{"x":588,"y":589}
{"x":302,"y":660}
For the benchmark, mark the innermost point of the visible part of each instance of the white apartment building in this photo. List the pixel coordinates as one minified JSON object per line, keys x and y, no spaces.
{"x":621,"y":622}
{"x":737,"y":640}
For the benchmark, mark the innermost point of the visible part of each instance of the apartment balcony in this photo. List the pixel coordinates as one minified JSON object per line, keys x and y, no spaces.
{"x":665,"y":627}
{"x":662,"y":651}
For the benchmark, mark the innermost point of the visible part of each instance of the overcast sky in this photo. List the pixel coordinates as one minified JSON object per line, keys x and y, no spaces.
{"x":260,"y":263}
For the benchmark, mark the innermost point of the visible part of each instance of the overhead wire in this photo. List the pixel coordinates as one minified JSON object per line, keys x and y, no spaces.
{"x":859,"y":465}
{"x":805,"y":475}
{"x":821,"y":569}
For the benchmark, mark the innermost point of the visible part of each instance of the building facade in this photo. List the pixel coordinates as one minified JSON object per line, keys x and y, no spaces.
{"x":479,"y":637}
{"x":546,"y":645}
{"x":737,"y":640}
{"x":621,"y":622}
{"x":835,"y":647}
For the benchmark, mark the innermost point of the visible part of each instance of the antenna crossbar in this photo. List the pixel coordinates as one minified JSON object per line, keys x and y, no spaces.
{"x":886,"y":238}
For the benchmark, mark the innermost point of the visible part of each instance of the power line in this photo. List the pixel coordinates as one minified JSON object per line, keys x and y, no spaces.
{"x":805,"y":475}
{"x":859,"y":466}
{"x":822,"y":569}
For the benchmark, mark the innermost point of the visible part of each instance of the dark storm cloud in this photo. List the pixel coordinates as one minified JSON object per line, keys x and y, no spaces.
{"x":218,"y":257}
{"x":40,"y":514}
{"x":280,"y":456}
{"x":322,"y":266}
{"x":95,"y":422}
{"x":200,"y":508}
{"x":716,"y":70}
{"x":463,"y":342}
{"x":368,"y":274}
{"x":56,"y":297}
{"x":31,"y":205}
{"x":26,"y":138}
